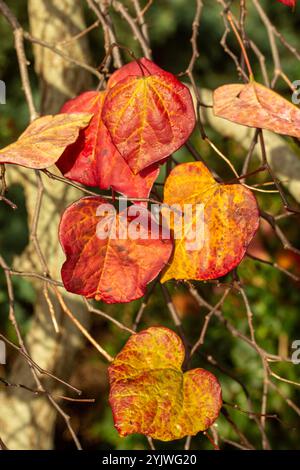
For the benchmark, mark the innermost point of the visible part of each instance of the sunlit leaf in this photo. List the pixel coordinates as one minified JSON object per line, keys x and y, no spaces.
{"x":93,"y":159}
{"x":220,"y":222}
{"x":114,"y":268}
{"x":149,"y":393}
{"x":44,"y":140}
{"x":148,"y":117}
{"x":255,"y":105}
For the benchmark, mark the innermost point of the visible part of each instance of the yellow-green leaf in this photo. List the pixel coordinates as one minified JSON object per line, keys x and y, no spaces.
{"x":151,"y":395}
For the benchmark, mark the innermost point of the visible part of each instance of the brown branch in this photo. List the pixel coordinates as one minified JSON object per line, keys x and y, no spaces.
{"x":22,"y":60}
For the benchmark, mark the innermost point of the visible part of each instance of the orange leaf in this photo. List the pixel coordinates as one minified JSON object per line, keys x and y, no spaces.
{"x":93,"y":159}
{"x":148,"y":117}
{"x":149,"y":393}
{"x":220,"y":221}
{"x":108,"y":266}
{"x":44,"y":140}
{"x":254,"y":105}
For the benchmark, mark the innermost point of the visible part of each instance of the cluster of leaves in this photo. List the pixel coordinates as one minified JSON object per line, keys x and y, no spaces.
{"x":117,"y":139}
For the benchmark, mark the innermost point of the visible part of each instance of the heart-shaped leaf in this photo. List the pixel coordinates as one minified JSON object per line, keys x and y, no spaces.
{"x":148,"y":117}
{"x":149,"y":393}
{"x":216,"y":223}
{"x":255,"y":105}
{"x":93,"y":159}
{"x":44,"y":140}
{"x":139,"y":68}
{"x":110,"y":256}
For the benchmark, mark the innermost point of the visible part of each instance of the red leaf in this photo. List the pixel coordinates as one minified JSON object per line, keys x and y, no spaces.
{"x":148,"y":117}
{"x":139,"y":68}
{"x":93,"y":159}
{"x":112,"y":269}
{"x":290,"y":3}
{"x":44,"y":140}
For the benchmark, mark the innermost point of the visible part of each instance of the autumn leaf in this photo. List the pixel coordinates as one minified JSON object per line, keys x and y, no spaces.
{"x":148,"y":117}
{"x":138,"y":68}
{"x":44,"y":140}
{"x":105,"y":260}
{"x":149,"y":393}
{"x":290,"y":3}
{"x":93,"y":160}
{"x":255,"y":105}
{"x":211,"y":239}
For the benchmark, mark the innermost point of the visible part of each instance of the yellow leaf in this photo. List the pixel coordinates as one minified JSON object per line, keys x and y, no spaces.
{"x":223,"y":220}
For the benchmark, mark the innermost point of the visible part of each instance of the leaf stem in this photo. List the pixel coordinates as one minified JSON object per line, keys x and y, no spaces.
{"x":243,"y":49}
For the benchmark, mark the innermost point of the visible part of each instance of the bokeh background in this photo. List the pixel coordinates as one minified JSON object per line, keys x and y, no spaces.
{"x":275,"y":298}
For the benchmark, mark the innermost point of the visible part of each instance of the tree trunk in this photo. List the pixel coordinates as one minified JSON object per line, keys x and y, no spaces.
{"x":28,"y":421}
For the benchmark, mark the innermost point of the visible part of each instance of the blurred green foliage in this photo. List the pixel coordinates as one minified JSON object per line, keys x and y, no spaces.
{"x":275,"y":299}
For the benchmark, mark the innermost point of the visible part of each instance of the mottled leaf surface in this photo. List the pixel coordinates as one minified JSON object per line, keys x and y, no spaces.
{"x":149,"y":393}
{"x":148,"y":117}
{"x":93,"y":160}
{"x":255,"y":105}
{"x":44,"y":140}
{"x":229,"y":220}
{"x":109,"y":269}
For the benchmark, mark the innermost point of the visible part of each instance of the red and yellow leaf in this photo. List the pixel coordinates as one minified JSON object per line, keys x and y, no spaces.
{"x":214,"y":239}
{"x":44,"y":140}
{"x":149,"y":393}
{"x":148,"y":118}
{"x":255,"y":105}
{"x":139,"y":68}
{"x":93,"y":159}
{"x":115,"y":268}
